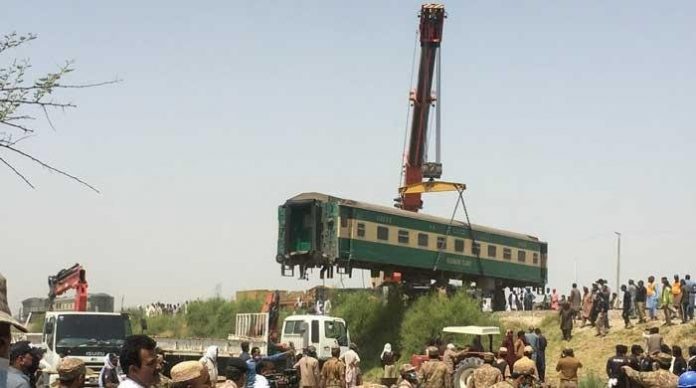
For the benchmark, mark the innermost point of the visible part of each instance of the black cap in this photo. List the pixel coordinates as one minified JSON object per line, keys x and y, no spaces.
{"x":18,"y":349}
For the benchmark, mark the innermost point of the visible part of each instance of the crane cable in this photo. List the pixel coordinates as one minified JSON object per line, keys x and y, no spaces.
{"x":471,"y":232}
{"x":408,"y":111}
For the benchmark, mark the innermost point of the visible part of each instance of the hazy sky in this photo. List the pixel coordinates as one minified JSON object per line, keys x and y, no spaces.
{"x":567,"y":120}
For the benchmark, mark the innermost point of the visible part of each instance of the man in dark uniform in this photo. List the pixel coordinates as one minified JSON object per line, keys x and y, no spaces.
{"x":616,"y":376}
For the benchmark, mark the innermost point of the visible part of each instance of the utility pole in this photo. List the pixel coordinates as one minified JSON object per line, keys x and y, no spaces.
{"x":618,"y":261}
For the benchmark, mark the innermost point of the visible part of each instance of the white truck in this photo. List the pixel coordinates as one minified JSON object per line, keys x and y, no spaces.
{"x":322,"y":332}
{"x":88,"y":336}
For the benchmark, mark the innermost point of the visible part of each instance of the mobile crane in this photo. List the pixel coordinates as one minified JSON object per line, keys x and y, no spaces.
{"x":415,"y":169}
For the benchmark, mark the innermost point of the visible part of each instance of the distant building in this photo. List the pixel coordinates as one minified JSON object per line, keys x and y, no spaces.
{"x":98,"y":302}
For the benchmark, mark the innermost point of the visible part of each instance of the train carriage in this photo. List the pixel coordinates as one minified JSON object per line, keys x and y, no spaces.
{"x":321,"y":231}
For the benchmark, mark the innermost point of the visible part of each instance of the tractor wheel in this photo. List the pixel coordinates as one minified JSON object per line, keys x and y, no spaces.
{"x":465,"y":370}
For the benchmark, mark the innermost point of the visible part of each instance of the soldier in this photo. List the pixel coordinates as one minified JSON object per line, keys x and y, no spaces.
{"x":333,"y":373}
{"x":190,"y":374}
{"x":660,"y":378}
{"x":71,"y":373}
{"x":514,"y":381}
{"x":433,"y":373}
{"x":485,"y":375}
{"x":309,"y":369}
{"x":526,"y":365}
{"x":409,"y":378}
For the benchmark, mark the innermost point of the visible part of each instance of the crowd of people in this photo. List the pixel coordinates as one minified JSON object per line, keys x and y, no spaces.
{"x":159,"y":308}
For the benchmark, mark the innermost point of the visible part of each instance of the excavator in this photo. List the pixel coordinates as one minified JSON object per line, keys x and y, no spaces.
{"x":73,"y":278}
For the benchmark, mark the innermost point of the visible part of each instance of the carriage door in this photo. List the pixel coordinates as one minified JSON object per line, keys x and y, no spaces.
{"x":329,"y":230}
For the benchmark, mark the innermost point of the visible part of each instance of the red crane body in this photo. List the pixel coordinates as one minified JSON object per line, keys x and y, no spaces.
{"x":432,"y":18}
{"x":73,"y":278}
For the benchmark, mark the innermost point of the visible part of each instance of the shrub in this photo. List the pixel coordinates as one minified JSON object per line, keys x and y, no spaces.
{"x":428,"y":315}
{"x":373,"y":321}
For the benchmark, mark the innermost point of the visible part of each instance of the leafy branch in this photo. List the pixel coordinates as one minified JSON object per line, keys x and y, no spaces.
{"x":20,"y":100}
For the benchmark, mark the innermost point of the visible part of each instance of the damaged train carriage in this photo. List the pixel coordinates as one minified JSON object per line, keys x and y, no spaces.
{"x":321,"y":231}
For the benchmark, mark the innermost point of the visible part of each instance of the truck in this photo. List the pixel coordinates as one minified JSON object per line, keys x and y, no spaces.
{"x":88,"y":336}
{"x":322,"y":332}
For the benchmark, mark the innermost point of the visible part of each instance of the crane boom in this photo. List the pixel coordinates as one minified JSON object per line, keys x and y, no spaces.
{"x":68,"y":279}
{"x":431,"y":22}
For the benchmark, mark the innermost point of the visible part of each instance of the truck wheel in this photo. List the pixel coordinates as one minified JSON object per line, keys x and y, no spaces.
{"x":464,"y":371}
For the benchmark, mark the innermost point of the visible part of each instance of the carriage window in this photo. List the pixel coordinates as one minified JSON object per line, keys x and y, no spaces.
{"x":492,"y":251}
{"x":403,"y":236}
{"x":507,"y":253}
{"x":344,"y":222}
{"x":441,"y":243}
{"x":459,"y":245}
{"x":382,"y":233}
{"x":521,"y":256}
{"x":476,"y":249}
{"x":535,"y":258}
{"x":422,"y":239}
{"x":361,"y":229}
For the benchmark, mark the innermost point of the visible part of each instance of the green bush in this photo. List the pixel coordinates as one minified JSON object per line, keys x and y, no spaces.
{"x":428,"y":315}
{"x":216,"y":317}
{"x":372,"y":322}
{"x":211,"y":318}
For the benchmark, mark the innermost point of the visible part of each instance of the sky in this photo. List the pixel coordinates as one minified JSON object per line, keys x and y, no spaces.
{"x":567,"y":120}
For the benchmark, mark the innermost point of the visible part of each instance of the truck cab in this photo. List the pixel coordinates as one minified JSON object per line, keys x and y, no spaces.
{"x":322,"y":332}
{"x":88,"y":336}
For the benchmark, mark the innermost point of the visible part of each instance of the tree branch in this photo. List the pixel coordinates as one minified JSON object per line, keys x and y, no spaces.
{"x":51,"y":168}
{"x":23,"y":128}
{"x":31,"y":102}
{"x":60,"y":86}
{"x":19,"y":174}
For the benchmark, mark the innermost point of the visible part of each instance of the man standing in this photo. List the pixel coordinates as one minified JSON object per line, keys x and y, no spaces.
{"x":20,"y":362}
{"x":602,"y":303}
{"x":568,"y":367}
{"x":566,"y":321}
{"x":632,"y":290}
{"x":310,"y":376}
{"x":139,"y":362}
{"x":626,"y":307}
{"x":666,"y":301}
{"x":652,"y":297}
{"x":692,"y":295}
{"x":333,"y":373}
{"x":533,"y":341}
{"x":433,"y":373}
{"x":244,"y":355}
{"x":641,"y":297}
{"x":352,"y":361}
{"x":501,"y":362}
{"x":71,"y":373}
{"x":235,"y":373}
{"x":614,"y":365}
{"x":449,"y":357}
{"x":659,"y":378}
{"x":541,"y":355}
{"x":485,"y":375}
{"x":575,"y":301}
{"x":256,"y":358}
